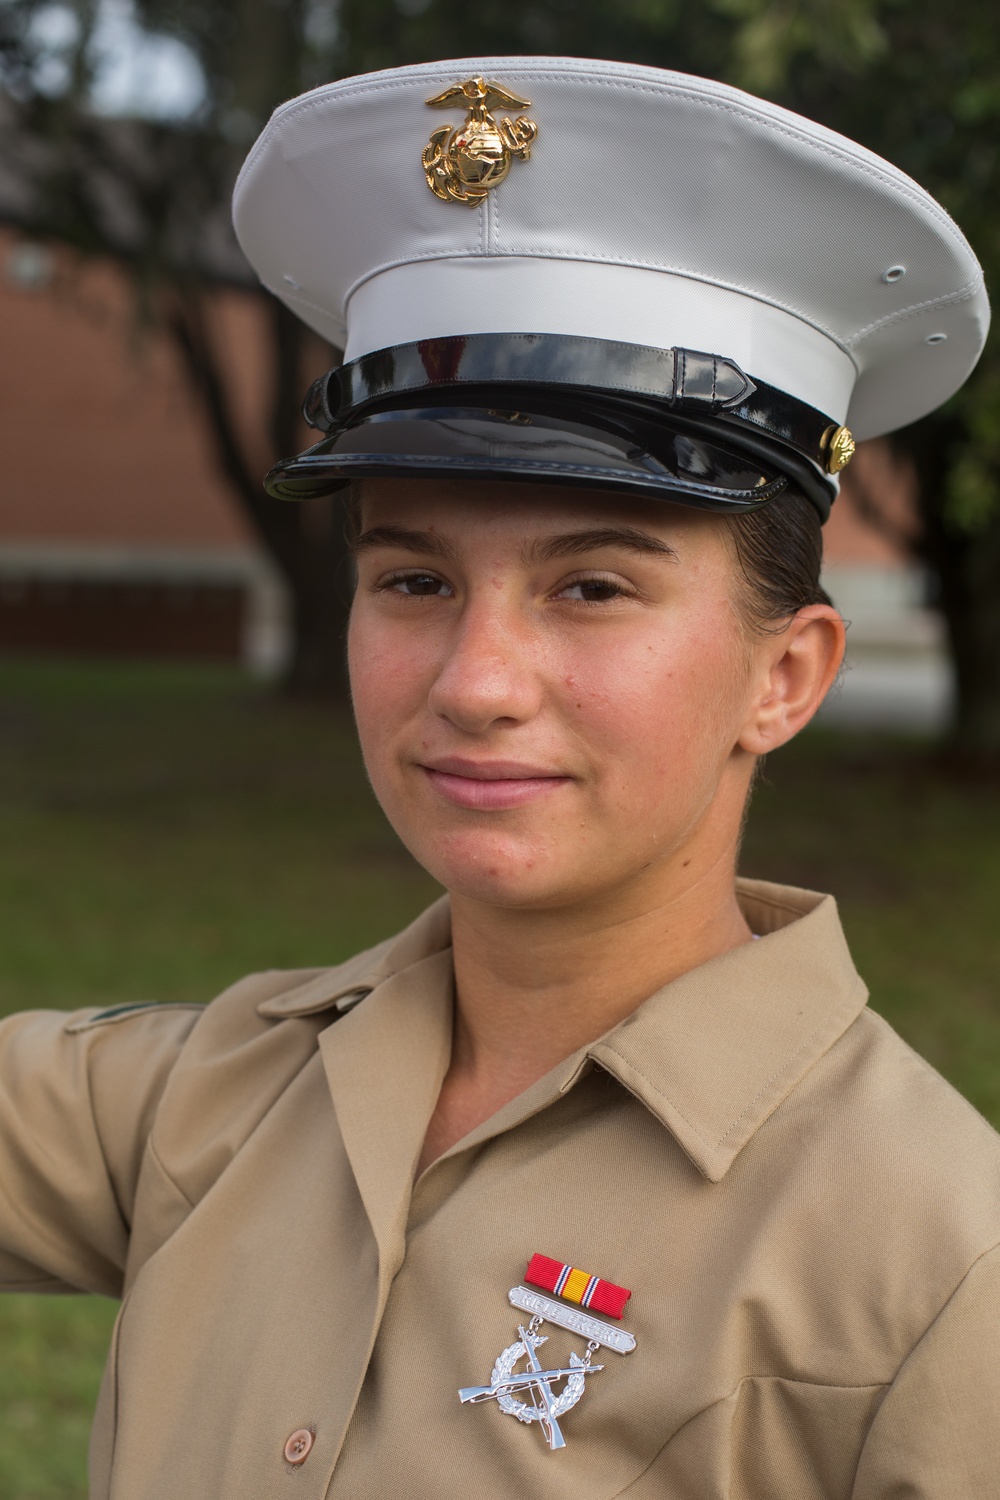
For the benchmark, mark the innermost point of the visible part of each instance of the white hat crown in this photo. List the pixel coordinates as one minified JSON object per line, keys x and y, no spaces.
{"x":656,"y":208}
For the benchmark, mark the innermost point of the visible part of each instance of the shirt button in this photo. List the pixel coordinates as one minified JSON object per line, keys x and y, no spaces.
{"x":299,"y":1444}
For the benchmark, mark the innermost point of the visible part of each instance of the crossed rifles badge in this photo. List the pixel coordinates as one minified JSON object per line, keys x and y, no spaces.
{"x":462,"y":164}
{"x":530,"y":1394}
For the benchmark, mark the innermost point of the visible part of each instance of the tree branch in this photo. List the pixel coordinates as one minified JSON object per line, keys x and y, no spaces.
{"x":279,"y":527}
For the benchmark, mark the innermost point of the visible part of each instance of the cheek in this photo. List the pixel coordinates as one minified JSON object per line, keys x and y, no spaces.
{"x":386,"y":669}
{"x":664,"y":708}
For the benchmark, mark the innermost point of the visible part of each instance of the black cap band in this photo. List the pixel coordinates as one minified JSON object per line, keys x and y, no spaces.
{"x":682,"y":380}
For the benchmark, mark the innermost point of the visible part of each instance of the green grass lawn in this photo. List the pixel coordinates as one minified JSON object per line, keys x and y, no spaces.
{"x":164,"y":830}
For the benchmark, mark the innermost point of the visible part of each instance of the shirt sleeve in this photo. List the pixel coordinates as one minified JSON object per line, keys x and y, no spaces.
{"x":78,"y":1095}
{"x":936,"y":1435}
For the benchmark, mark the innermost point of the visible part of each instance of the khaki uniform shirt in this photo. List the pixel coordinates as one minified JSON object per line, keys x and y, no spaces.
{"x":807,"y":1215}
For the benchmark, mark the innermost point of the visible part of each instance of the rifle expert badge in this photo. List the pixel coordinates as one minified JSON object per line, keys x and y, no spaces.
{"x":545,"y":1404}
{"x":461,"y":164}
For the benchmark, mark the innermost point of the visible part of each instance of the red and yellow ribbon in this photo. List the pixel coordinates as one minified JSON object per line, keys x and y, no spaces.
{"x":577,"y":1286}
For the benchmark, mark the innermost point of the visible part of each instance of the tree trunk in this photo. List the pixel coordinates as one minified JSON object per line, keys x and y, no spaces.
{"x":964,"y":566}
{"x":320,"y":585}
{"x":966,"y":570}
{"x":304,"y":539}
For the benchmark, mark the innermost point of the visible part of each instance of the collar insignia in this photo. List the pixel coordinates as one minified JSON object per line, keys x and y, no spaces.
{"x":461,"y":164}
{"x":530,"y":1394}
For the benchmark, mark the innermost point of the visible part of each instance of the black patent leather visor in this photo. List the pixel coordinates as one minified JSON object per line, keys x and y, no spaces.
{"x":664,"y":423}
{"x":494,"y":443}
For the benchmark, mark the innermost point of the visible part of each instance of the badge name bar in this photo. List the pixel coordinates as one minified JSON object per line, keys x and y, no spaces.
{"x":617,"y":1339}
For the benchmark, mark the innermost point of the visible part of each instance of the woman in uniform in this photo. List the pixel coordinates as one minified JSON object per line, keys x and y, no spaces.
{"x":600,"y":1179}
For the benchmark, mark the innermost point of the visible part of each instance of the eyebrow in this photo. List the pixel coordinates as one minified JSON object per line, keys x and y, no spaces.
{"x":545,"y":549}
{"x":427,"y":542}
{"x":573,"y":543}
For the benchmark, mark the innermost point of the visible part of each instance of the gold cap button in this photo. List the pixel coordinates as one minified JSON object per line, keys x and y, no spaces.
{"x":840,"y":445}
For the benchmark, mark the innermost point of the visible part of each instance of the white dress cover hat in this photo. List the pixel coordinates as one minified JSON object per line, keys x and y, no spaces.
{"x":602,"y":274}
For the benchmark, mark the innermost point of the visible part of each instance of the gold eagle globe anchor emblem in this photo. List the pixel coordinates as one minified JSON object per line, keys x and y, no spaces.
{"x":462,"y":163}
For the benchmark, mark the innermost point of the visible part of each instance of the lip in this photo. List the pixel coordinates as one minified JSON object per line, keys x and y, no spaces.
{"x":491,"y":770}
{"x":490,"y":785}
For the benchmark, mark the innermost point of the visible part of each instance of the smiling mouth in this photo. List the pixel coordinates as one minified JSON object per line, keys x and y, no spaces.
{"x":487,"y":786}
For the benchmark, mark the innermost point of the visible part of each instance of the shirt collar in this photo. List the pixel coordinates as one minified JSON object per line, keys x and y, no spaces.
{"x":714,"y":1053}
{"x":341,"y":987}
{"x":711,"y":1055}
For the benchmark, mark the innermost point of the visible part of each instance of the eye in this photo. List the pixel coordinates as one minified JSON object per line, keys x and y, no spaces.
{"x":414,"y":585}
{"x":594,"y":589}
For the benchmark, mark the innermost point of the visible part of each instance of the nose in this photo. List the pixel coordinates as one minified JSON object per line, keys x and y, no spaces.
{"x":490,"y":673}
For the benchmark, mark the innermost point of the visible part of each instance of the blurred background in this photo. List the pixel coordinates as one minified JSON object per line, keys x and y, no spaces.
{"x":181,"y":800}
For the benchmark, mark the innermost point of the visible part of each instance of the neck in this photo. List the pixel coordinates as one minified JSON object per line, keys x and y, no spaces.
{"x":534,"y":986}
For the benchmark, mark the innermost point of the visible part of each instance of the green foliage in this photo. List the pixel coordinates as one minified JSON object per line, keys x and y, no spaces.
{"x":770,"y":41}
{"x":973,"y":494}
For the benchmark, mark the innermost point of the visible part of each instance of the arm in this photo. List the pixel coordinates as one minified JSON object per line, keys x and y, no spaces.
{"x":936,"y":1435}
{"x":78,"y":1094}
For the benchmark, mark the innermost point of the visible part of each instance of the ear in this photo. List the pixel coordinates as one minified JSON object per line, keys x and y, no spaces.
{"x":795,"y":670}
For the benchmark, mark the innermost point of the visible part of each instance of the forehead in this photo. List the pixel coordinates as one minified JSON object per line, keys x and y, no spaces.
{"x":492,"y":509}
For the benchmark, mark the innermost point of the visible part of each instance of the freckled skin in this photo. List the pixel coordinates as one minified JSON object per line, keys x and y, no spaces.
{"x":635,"y":699}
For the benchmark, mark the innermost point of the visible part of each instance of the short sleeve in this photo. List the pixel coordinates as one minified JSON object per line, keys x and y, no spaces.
{"x":936,"y":1435}
{"x":78,"y":1095}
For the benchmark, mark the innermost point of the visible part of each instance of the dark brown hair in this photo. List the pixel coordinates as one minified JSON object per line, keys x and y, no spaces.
{"x":779,"y":553}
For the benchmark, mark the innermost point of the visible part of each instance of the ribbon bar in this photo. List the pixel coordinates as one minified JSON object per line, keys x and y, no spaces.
{"x":577,"y":1286}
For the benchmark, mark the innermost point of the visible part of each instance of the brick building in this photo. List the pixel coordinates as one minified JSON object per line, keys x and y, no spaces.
{"x":117,"y":534}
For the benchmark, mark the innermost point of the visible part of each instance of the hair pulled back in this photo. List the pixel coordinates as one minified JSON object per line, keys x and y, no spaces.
{"x":779,"y":554}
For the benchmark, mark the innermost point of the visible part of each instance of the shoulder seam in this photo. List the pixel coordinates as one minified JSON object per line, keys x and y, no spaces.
{"x":983,"y":1254}
{"x":116,"y":1013}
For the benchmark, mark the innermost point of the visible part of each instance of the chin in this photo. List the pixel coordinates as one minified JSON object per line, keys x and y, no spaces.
{"x":497,"y":872}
